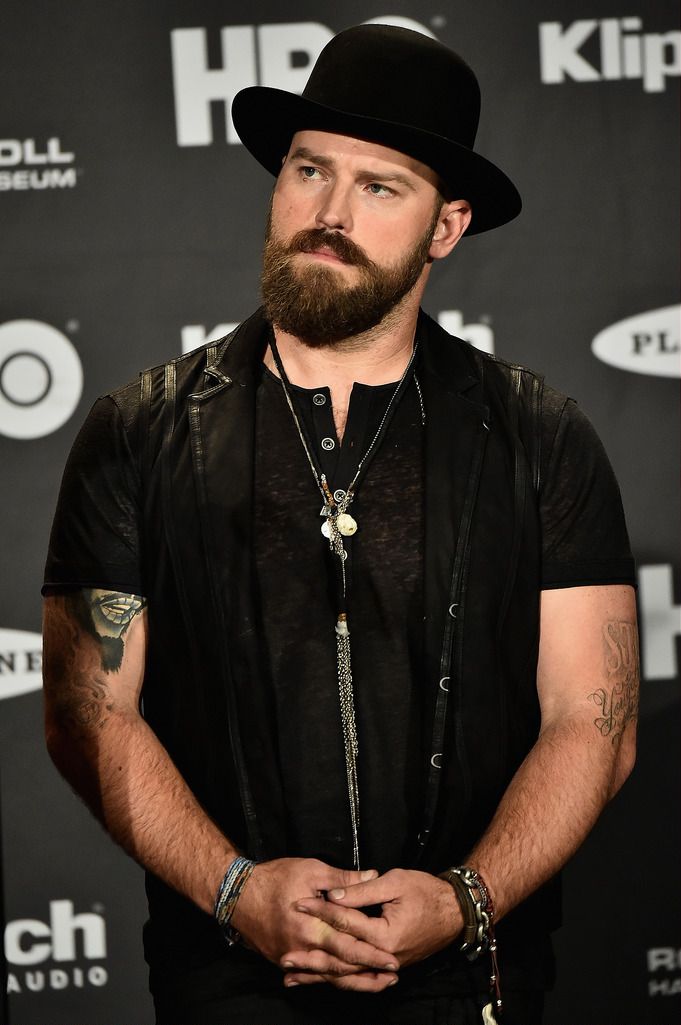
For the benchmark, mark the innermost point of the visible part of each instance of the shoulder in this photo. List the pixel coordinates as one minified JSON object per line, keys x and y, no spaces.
{"x":188,"y":371}
{"x":546,"y":420}
{"x":453,"y":358}
{"x":217,"y":362}
{"x":121,"y":419}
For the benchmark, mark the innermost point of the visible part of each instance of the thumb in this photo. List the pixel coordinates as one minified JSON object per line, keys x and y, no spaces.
{"x":350,"y":877}
{"x":378,"y":890}
{"x":339,"y":878}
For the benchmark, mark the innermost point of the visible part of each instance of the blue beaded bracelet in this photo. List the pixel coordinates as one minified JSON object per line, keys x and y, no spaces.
{"x":233,"y":882}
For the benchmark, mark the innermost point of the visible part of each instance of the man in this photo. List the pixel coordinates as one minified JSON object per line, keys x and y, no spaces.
{"x":364,"y":747}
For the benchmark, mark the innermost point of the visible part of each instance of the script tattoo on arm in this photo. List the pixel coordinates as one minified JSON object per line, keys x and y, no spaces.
{"x":618,"y":700}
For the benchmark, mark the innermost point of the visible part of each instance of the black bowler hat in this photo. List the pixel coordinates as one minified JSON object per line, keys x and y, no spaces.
{"x":395,"y":87}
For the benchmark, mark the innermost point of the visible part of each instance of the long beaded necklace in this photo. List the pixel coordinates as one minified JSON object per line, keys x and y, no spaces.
{"x":336,"y":526}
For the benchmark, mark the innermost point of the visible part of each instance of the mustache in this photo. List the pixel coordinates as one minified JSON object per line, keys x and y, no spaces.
{"x":310,"y":239}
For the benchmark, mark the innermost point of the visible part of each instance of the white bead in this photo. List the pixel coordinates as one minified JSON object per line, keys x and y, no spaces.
{"x":347,"y":526}
{"x":326,"y":529}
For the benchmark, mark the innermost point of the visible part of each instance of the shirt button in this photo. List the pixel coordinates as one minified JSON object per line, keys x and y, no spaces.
{"x":328,"y":444}
{"x":339,"y":495}
{"x":319,"y":399}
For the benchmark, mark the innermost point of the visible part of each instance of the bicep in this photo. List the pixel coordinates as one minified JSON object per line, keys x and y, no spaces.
{"x":588,"y":659}
{"x":94,"y":644}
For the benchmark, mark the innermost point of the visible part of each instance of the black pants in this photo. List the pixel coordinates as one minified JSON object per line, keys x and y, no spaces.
{"x":199,"y":998}
{"x":207,"y":983}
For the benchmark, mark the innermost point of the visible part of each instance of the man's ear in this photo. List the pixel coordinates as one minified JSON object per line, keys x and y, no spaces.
{"x":455,"y":216}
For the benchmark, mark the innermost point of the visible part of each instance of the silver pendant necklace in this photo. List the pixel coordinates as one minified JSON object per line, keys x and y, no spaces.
{"x":337,"y":525}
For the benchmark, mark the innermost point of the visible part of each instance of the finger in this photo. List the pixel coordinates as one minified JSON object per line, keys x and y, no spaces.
{"x":363,"y":894}
{"x":346,"y":920}
{"x":329,"y":877}
{"x":348,"y":948}
{"x":318,"y":962}
{"x":362,"y":982}
{"x":302,"y":979}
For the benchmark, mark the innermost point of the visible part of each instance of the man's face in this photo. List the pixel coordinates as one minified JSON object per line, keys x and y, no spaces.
{"x":349,"y":233}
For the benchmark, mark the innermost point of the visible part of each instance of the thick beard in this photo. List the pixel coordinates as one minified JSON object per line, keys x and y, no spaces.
{"x":315,"y":305}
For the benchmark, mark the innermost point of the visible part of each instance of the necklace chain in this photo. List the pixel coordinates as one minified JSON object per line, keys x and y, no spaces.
{"x":339,"y":524}
{"x":320,"y":478}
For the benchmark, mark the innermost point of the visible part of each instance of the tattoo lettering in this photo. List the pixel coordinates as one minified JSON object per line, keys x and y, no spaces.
{"x":618,"y":701}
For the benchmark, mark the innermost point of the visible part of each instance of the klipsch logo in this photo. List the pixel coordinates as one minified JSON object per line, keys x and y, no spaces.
{"x":647,"y":343}
{"x":280,"y":56}
{"x":609,"y":49}
{"x":20,"y":662}
{"x":65,"y":951}
{"x":41,"y":379}
{"x":664,"y":971}
{"x":28,"y":164}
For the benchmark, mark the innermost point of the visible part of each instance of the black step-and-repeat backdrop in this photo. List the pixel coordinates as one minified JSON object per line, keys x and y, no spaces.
{"x":130,"y":230}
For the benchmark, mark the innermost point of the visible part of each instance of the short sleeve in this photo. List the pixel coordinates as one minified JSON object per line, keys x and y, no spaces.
{"x":95,"y":538}
{"x":584,"y":535}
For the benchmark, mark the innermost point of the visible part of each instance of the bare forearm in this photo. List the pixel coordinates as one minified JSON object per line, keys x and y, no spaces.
{"x":127,"y":779}
{"x":587,"y":681}
{"x":551,"y":805}
{"x":94,"y":648}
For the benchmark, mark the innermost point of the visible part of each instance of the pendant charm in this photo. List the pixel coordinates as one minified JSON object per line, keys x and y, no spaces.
{"x":488,"y":1015}
{"x":346,"y":524}
{"x":326,"y":529}
{"x":342,"y":626}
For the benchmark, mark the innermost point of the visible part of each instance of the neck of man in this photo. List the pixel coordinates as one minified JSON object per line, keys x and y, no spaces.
{"x":377,"y":356}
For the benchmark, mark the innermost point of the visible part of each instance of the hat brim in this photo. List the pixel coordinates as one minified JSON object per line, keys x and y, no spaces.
{"x":266,"y":120}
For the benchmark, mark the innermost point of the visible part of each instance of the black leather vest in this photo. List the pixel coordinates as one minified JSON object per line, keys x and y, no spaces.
{"x":190,"y":424}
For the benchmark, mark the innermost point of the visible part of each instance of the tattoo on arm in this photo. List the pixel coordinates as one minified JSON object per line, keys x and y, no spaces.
{"x":106,"y":616}
{"x":618,"y":700}
{"x":85,"y":635}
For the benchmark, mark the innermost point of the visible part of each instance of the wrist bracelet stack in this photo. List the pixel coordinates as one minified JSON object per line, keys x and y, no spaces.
{"x":235,"y":878}
{"x":478,"y":912}
{"x":477,"y":908}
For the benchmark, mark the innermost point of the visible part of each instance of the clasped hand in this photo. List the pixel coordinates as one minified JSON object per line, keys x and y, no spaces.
{"x":284,"y":915}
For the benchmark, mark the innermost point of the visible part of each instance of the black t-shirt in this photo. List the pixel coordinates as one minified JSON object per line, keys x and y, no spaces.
{"x":95,"y":543}
{"x":296,"y":577}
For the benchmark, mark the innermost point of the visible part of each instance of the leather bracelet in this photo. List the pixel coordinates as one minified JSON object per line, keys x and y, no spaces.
{"x":476,"y":906}
{"x":478,"y":912}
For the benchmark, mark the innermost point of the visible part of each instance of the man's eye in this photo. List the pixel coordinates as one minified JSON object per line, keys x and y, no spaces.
{"x":376,"y":189}
{"x":310,"y":172}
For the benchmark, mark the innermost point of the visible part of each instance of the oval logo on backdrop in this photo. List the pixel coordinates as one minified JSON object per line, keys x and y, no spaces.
{"x":20,"y":662}
{"x":647,"y":343}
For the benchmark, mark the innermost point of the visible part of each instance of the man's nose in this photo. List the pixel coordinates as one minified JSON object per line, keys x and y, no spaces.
{"x":335,"y":211}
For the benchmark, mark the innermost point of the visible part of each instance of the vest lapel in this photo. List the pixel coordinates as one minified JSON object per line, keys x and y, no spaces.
{"x":222,"y":436}
{"x":456,"y":436}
